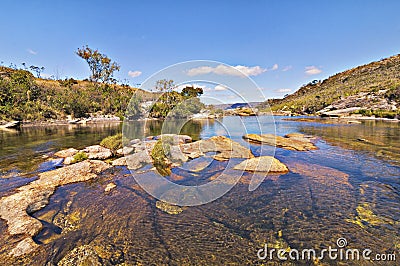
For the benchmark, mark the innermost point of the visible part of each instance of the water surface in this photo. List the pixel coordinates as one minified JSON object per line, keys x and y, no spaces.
{"x":346,"y":188}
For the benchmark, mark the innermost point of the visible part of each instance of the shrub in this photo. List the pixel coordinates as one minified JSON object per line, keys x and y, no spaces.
{"x":112,"y":142}
{"x":161,"y":150}
{"x":79,"y":157}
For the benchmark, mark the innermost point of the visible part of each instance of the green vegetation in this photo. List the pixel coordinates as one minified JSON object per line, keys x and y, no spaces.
{"x":378,"y":113}
{"x":174,"y":104}
{"x":24,"y":97}
{"x":79,"y":157}
{"x":112,"y":142}
{"x":160,"y":153}
{"x":370,"y":78}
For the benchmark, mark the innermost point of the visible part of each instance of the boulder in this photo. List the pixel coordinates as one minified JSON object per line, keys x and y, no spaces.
{"x":262,"y":164}
{"x":125,"y":150}
{"x":119,"y":162}
{"x":223,"y":146}
{"x":15,"y":208}
{"x":97,"y":152}
{"x":177,"y":139}
{"x":66,"y":153}
{"x":137,"y":160}
{"x":294,"y":141}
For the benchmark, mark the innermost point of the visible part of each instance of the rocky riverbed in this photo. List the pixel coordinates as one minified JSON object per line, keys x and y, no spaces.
{"x":90,"y":210}
{"x":86,"y":164}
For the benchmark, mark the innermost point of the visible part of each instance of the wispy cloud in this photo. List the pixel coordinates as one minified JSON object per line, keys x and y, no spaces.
{"x":283,"y":90}
{"x":287,"y":68}
{"x":220,"y":88}
{"x":29,"y":50}
{"x":238,"y":70}
{"x":134,"y":74}
{"x":275,"y":67}
{"x":312,"y":70}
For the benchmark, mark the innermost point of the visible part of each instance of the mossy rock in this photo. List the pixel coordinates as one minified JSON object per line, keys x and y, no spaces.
{"x":79,"y":157}
{"x":113,"y":143}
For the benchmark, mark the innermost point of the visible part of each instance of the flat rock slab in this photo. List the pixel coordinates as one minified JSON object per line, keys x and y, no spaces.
{"x":15,"y":208}
{"x":294,"y":141}
{"x":66,"y":153}
{"x":98,"y":152}
{"x":262,"y":164}
{"x":223,"y":146}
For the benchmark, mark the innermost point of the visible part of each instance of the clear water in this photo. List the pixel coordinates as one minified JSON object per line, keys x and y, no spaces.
{"x":347,"y":188}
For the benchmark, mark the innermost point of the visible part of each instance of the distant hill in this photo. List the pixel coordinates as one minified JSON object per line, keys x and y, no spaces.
{"x":235,"y":105}
{"x":370,"y":89}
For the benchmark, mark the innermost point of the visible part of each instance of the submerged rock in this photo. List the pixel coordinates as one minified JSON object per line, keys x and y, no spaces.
{"x":50,"y":165}
{"x":294,"y":141}
{"x":110,"y":187}
{"x":24,"y":247}
{"x":168,"y":208}
{"x":83,"y":255}
{"x":15,"y":208}
{"x":262,"y":164}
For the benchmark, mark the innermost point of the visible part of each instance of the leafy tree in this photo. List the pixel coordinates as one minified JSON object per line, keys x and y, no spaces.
{"x":101,"y":67}
{"x":191,"y":91}
{"x":176,"y":104}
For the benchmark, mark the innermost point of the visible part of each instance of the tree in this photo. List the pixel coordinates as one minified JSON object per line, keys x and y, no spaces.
{"x":36,"y":69}
{"x":191,"y":91}
{"x":101,"y":67}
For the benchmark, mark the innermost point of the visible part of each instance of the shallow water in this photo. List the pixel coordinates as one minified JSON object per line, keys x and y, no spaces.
{"x":340,"y":190}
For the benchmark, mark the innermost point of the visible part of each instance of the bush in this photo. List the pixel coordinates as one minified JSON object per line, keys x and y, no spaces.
{"x":112,"y":142}
{"x":161,"y":150}
{"x":79,"y":157}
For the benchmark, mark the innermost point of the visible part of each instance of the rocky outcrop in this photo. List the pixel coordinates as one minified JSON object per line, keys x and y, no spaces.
{"x":15,"y":208}
{"x":223,"y":146}
{"x":66,"y":153}
{"x":137,"y":160}
{"x":262,"y":164}
{"x":294,"y":141}
{"x":97,"y":152}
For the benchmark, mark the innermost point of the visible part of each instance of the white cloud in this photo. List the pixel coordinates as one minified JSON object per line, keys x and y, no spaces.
{"x":312,"y":70}
{"x":220,"y":88}
{"x":283,"y":90}
{"x":275,"y":67}
{"x":134,"y":74}
{"x":31,"y":51}
{"x":227,"y":70}
{"x":287,"y":68}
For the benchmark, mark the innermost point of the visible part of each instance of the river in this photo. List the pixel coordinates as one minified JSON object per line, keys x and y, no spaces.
{"x":348,"y":188}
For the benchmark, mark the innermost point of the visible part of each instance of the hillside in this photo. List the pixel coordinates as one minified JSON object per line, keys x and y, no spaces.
{"x":373,"y":88}
{"x":24,"y":97}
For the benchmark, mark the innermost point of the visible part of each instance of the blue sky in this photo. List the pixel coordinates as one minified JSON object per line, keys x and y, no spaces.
{"x":281,"y":44}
